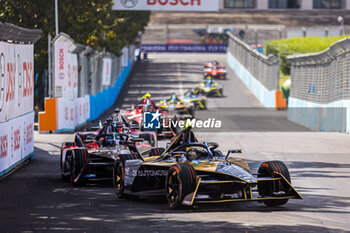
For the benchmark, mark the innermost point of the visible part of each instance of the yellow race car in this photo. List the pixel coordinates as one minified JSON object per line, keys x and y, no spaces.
{"x":209,"y":88}
{"x":199,"y":101}
{"x":181,"y":108}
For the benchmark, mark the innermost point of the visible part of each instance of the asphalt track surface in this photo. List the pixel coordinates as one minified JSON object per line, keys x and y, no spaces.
{"x":35,"y":199}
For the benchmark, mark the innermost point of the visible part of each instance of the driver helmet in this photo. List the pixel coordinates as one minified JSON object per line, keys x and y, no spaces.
{"x":209,"y":80}
{"x":147,"y":95}
{"x":173,"y":97}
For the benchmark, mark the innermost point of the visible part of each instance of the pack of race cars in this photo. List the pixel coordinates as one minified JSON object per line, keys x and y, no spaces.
{"x":187,"y":172}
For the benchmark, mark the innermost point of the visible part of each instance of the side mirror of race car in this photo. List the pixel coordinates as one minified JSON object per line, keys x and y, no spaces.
{"x":233,"y":151}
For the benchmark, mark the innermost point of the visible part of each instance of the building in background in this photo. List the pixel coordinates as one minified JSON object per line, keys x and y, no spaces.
{"x":227,"y":5}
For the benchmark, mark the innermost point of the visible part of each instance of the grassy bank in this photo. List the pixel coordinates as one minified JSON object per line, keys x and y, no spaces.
{"x":298,"y":45}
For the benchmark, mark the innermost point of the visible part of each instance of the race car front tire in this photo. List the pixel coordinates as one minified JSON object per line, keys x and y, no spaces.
{"x":180,"y":181}
{"x":118,"y":178}
{"x":118,"y":174}
{"x":267,"y":169}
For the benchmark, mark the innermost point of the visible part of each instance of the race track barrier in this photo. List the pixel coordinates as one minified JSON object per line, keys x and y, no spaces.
{"x":320,"y":91}
{"x":82,"y":95}
{"x":16,"y":95}
{"x":259,"y":73}
{"x":63,"y":115}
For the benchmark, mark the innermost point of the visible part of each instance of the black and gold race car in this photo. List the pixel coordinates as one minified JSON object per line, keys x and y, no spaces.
{"x":189,"y":172}
{"x":92,"y":154}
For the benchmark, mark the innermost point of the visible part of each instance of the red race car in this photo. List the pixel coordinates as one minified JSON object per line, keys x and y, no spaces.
{"x":135,"y":115}
{"x":215,"y":70}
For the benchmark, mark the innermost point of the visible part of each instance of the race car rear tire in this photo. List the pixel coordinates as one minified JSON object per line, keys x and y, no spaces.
{"x":180,"y":181}
{"x":118,"y":174}
{"x":78,"y":161}
{"x":149,"y":137}
{"x":267,"y":169}
{"x":63,"y":169}
{"x":156,"y":151}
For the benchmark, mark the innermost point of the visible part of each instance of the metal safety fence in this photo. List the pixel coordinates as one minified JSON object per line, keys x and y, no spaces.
{"x":320,"y":89}
{"x":263,"y":68}
{"x":323,"y":77}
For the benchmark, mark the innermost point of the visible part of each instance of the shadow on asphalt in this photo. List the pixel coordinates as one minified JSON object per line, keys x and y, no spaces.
{"x":36,"y":199}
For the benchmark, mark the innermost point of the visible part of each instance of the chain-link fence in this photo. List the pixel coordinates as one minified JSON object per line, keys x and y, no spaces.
{"x":323,"y":77}
{"x":263,"y":68}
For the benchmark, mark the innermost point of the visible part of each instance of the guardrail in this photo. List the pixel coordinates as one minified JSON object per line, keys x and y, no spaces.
{"x":320,"y":88}
{"x":258,"y":72}
{"x":16,"y":95}
{"x":85,"y":83}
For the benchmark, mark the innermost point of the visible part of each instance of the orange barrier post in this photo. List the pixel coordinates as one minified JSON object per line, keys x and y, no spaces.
{"x":48,"y":118}
{"x":281,"y":103}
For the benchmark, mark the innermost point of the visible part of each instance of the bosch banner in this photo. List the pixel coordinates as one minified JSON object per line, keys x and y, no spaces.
{"x":66,"y":71}
{"x":106,"y":72}
{"x":167,"y":5}
{"x":16,"y":80}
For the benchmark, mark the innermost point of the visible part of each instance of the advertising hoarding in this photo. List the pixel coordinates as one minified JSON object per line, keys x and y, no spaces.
{"x":167,"y":5}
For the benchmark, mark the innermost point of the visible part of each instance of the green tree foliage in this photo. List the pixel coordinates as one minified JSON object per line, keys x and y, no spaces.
{"x":88,"y":22}
{"x":298,"y":45}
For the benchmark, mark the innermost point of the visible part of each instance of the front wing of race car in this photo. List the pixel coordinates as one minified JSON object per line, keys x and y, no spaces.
{"x":210,"y":91}
{"x":242,"y":191}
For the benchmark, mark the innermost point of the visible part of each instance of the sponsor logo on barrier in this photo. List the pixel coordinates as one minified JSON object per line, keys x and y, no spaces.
{"x":2,"y":81}
{"x":3,"y":146}
{"x":17,"y":139}
{"x":69,"y":76}
{"x":61,"y":63}
{"x":28,"y":80}
{"x":11,"y":78}
{"x":20,"y":80}
{"x":66,"y":113}
{"x":72,"y":114}
{"x":29,"y":134}
{"x":151,"y":120}
{"x":75,"y":71}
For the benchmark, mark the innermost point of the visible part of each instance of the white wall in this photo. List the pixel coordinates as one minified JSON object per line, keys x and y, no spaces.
{"x":347,"y":4}
{"x":262,"y":4}
{"x":306,"y":5}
